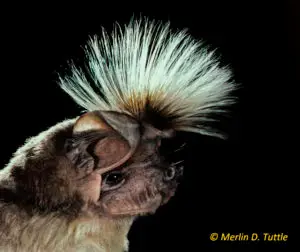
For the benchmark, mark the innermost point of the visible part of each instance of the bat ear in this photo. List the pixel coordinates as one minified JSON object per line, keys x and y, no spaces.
{"x":90,"y":121}
{"x":123,"y":136}
{"x":125,"y":125}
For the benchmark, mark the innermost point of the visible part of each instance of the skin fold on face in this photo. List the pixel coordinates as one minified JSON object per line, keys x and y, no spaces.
{"x":142,"y":182}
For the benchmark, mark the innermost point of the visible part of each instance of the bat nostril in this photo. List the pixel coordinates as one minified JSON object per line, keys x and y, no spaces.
{"x":180,"y":170}
{"x":169,"y":173}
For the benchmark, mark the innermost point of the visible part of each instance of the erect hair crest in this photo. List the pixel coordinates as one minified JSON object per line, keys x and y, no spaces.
{"x":147,"y":65}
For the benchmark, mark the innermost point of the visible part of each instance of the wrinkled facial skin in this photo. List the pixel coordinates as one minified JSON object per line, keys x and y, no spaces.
{"x":147,"y":180}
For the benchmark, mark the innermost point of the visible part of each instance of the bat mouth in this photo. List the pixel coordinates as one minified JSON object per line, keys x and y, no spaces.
{"x":167,"y":197}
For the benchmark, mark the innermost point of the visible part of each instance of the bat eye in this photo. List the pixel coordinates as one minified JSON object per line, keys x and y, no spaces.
{"x":113,"y":180}
{"x":169,"y":173}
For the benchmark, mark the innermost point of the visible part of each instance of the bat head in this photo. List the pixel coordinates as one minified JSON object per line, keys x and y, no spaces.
{"x":124,"y":159}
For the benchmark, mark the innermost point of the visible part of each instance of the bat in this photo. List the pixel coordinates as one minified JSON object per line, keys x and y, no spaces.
{"x":80,"y":184}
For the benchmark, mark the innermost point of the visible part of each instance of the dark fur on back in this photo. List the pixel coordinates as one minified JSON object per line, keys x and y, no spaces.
{"x":39,"y":178}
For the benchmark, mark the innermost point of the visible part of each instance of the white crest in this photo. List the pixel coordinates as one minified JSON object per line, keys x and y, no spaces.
{"x":147,"y":64}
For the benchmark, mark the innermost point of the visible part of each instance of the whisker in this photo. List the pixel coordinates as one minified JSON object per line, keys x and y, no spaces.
{"x":176,"y":163}
{"x":180,"y":148}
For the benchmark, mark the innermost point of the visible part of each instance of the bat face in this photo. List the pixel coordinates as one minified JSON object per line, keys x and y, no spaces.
{"x":142,"y":183}
{"x":124,"y":160}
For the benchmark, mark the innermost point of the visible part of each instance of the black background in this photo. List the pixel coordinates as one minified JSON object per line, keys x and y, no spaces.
{"x":243,"y":184}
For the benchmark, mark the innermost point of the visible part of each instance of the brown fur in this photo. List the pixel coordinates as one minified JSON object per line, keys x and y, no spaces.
{"x":45,"y":233}
{"x":54,"y":197}
{"x":39,"y":209}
